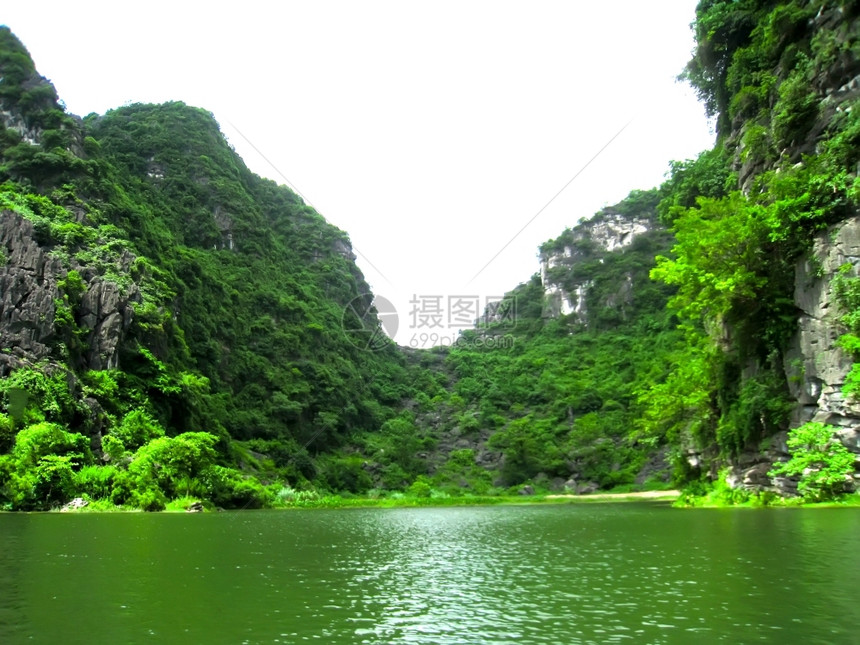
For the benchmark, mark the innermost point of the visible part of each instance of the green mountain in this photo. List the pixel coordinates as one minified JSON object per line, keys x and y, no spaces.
{"x":173,"y":327}
{"x":153,"y":286}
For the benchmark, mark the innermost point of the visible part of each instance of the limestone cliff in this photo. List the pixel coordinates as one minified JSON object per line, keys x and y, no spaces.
{"x":783,"y":82}
{"x":30,"y":294}
{"x":815,"y":364}
{"x":568,"y":264}
{"x":28,"y":289}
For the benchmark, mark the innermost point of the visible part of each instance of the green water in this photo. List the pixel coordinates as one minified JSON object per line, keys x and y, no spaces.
{"x":596,"y":573}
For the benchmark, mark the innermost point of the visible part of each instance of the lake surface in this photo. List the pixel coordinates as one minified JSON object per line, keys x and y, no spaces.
{"x":587,"y":573}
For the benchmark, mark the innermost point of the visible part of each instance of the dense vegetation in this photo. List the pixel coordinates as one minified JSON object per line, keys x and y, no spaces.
{"x":765,"y":70}
{"x":233,"y":381}
{"x":235,"y":354}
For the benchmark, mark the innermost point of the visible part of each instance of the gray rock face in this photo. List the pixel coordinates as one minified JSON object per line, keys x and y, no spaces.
{"x":108,"y":313}
{"x":604,"y":234}
{"x":28,"y":288}
{"x":16,"y":123}
{"x":28,"y":291}
{"x":75,"y":505}
{"x":815,"y":366}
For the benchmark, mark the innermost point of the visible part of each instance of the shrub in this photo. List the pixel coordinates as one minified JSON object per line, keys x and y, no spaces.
{"x":136,"y":429}
{"x":7,"y":433}
{"x":420,"y":488}
{"x":95,"y":481}
{"x":53,"y":481}
{"x":43,"y":439}
{"x":167,"y":461}
{"x":230,"y":489}
{"x":823,"y":463}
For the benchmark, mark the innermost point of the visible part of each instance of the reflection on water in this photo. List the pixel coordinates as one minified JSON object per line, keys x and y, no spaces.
{"x":638,"y":573}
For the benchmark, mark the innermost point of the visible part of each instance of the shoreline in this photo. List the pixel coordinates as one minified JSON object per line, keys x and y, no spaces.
{"x":478,"y":500}
{"x":338,"y":502}
{"x":661,"y":495}
{"x":194,"y":505}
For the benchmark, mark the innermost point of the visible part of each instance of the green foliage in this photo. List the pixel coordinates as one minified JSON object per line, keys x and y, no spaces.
{"x":229,"y":488}
{"x":7,"y":433}
{"x":42,"y":395}
{"x":420,"y":488}
{"x":96,"y":482}
{"x":758,"y":408}
{"x":166,"y":461}
{"x":819,"y":458}
{"x":136,"y":429}
{"x":718,"y":258}
{"x":345,"y":473}
{"x":234,"y":293}
{"x":721,"y":28}
{"x":709,"y":175}
{"x":846,"y":288}
{"x":40,"y":470}
{"x":41,"y":440}
{"x":53,"y":480}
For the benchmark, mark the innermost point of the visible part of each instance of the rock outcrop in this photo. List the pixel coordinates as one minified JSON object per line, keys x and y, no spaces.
{"x":29,"y":293}
{"x":815,"y":364}
{"x":606,"y":232}
{"x":28,"y":289}
{"x":108,"y":313}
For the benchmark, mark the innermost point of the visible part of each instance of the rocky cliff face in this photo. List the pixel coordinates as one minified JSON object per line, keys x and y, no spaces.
{"x":28,"y":289}
{"x":30,"y":275}
{"x":566,"y":293}
{"x":815,"y":365}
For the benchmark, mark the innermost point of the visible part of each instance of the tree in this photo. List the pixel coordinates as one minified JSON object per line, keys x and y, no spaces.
{"x":823,"y":463}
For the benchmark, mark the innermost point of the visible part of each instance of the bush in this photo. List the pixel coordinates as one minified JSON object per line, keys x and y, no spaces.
{"x":823,"y":463}
{"x":346,"y":474}
{"x":229,"y":488}
{"x":95,"y":481}
{"x":7,"y":433}
{"x":43,"y":439}
{"x":167,"y":461}
{"x":420,"y":488}
{"x":54,"y":481}
{"x":136,"y":429}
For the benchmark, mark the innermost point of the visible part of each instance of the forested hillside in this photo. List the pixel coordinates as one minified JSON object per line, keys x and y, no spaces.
{"x":166,"y":314}
{"x":172,"y":326}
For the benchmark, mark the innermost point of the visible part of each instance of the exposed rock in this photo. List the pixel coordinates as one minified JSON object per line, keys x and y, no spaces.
{"x":108,"y":314}
{"x":16,"y":123}
{"x":586,"y":488}
{"x":815,"y":366}
{"x":28,"y":292}
{"x":750,"y":469}
{"x":605,"y":233}
{"x":526,"y":490}
{"x":556,"y":484}
{"x":76,"y":504}
{"x":195,"y":507}
{"x":657,"y":468}
{"x":757,"y":476}
{"x":28,"y":288}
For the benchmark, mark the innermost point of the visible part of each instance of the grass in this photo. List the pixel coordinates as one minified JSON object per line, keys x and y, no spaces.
{"x":405,"y":501}
{"x":398,"y":500}
{"x":719,"y":498}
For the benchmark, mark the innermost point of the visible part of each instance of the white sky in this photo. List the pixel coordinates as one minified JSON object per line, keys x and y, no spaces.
{"x":430,"y":131}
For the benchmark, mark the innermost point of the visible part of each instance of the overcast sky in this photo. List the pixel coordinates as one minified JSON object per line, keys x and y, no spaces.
{"x":430,"y":131}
